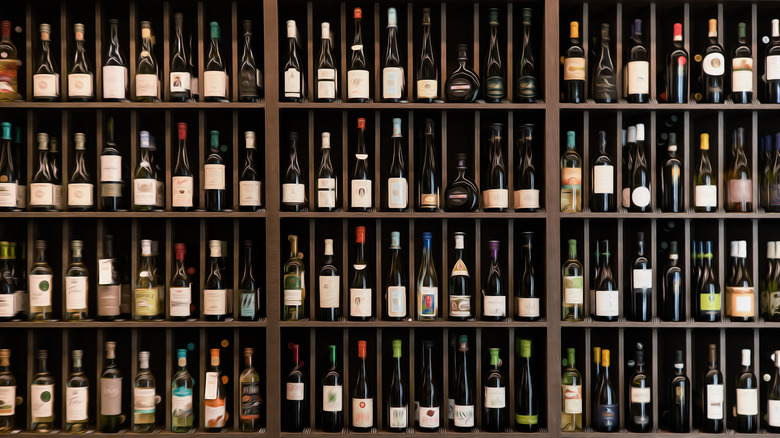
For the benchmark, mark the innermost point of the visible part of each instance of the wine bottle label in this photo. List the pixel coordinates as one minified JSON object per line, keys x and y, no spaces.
{"x":638,"y":77}
{"x":397,"y":193}
{"x":212,"y":381}
{"x":195,"y":87}
{"x":215,"y":84}
{"x":526,"y":419}
{"x":572,"y":399}
{"x":80,"y":85}
{"x":526,"y":87}
{"x":709,"y":302}
{"x":607,"y":303}
{"x":7,"y":308}
{"x":742,"y":75}
{"x":494,"y":305}
{"x":181,"y":191}
{"x":573,"y":290}
{"x":251,"y":400}
{"x":40,"y":290}
{"x":642,"y":279}
{"x":429,"y":200}
{"x":714,"y":64}
{"x":773,"y":68}
{"x":108,"y":300}
{"x":159,"y":198}
{"x":146,"y":302}
{"x":607,"y":416}
{"x":293,"y":297}
{"x":496,"y":198}
{"x":571,"y":176}
{"x":329,"y":291}
{"x":740,"y":190}
{"x":399,"y":417}
{"x":249,"y":193}
{"x":463,"y":416}
{"x":747,"y":401}
{"x":21,"y":196}
{"x":114,"y":81}
{"x":326,"y":192}
{"x":427,"y":89}
{"x":143,"y":402}
{"x":640,"y":196}
{"x":714,"y":402}
{"x":574,"y":69}
{"x":215,"y":415}
{"x":110,"y":168}
{"x":362,"y":412}
{"x":248,"y":305}
{"x":75,"y":293}
{"x":396,"y":297}
{"x":526,"y":199}
{"x":8,"y":194}
{"x":57,"y":196}
{"x":79,"y":195}
{"x":361,"y":193}
{"x":7,"y":401}
{"x":20,"y":299}
{"x":46,"y":85}
{"x":215,"y":177}
{"x":739,"y":301}
{"x":105,"y":271}
{"x":180,"y":81}
{"x":181,"y":402}
{"x":292,"y":83}
{"x":293,"y":193}
{"x":42,"y":400}
{"x":357,"y":84}
{"x":460,"y":306}
{"x":41,"y":194}
{"x":528,"y":307}
{"x":773,"y":407}
{"x":429,"y":417}
{"x":706,"y":196}
{"x":428,"y":304}
{"x":459,"y":269}
{"x":110,"y":396}
{"x":494,"y":87}
{"x":214,"y":301}
{"x":495,"y":397}
{"x":774,"y":195}
{"x":360,"y":302}
{"x":392,"y":79}
{"x":144,"y":191}
{"x":640,"y":395}
{"x":295,"y":391}
{"x":332,"y":398}
{"x":145,"y":85}
{"x":181,"y":297}
{"x":603,"y":179}
{"x":326,"y":83}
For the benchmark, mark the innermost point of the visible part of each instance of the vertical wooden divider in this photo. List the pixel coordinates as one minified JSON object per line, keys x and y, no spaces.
{"x":233,"y":93}
{"x":64,"y":336}
{"x":203,"y":357}
{"x":64,"y":32}
{"x":134,"y":25}
{"x":617,"y":247}
{"x":313,"y":166}
{"x":204,"y":253}
{"x":754,"y":248}
{"x":620,"y":35}
{"x":754,"y":154}
{"x":310,"y":53}
{"x":687,"y":44}
{"x":621,"y":368}
{"x":443,"y":52}
{"x":135,"y":246}
{"x":169,"y":364}
{"x":651,"y":141}
{"x":134,"y":338}
{"x":238,"y":248}
{"x":509,"y":164}
{"x":237,"y":164}
{"x":344,"y":52}
{"x":379,"y":279}
{"x":64,"y":257}
{"x":475,"y":41}
{"x":687,"y":268}
{"x":377,"y":165}
{"x":165,"y":93}
{"x":477,"y":154}
{"x":170,"y":129}
{"x":479,"y":272}
{"x":756,"y":83}
{"x":687,"y":147}
{"x":410,"y":83}
{"x":30,"y":369}
{"x":444,"y":291}
{"x":410,"y":275}
{"x":98,"y":84}
{"x":721,"y":161}
{"x":345,"y":279}
{"x":313,"y":379}
{"x":28,"y":76}
{"x":478,"y":420}
{"x":65,"y":161}
{"x":587,"y":268}
{"x":657,"y":268}
{"x":445,"y":155}
{"x":584,"y":31}
{"x":510,"y":56}
{"x":99,"y":370}
{"x":654,"y":87}
{"x":586,"y":177}
{"x":380,"y":396}
{"x":202,"y":134}
{"x":378,"y":57}
{"x":654,"y":363}
{"x":511,"y":355}
{"x":412,"y":373}
{"x":411,"y":173}
{"x":512,"y":267}
{"x":345,"y":199}
{"x":346,"y":385}
{"x":201,"y":50}
{"x":314,"y":281}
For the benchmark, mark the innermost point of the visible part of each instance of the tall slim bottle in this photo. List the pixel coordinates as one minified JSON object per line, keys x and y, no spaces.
{"x":76,"y":285}
{"x":427,"y":284}
{"x":746,"y":408}
{"x":393,"y":78}
{"x":705,"y":185}
{"x":607,"y":410}
{"x":360,"y":289}
{"x":111,"y":417}
{"x":326,"y":86}
{"x":293,"y":87}
{"x":182,"y":384}
{"x":180,"y":79}
{"x":295,"y":393}
{"x":182,"y":182}
{"x":772,"y":73}
{"x":573,"y":297}
{"x":465,"y":399}
{"x":679,"y":397}
{"x":7,"y":393}
{"x":215,"y":77}
{"x":397,"y":181}
{"x":46,"y":77}
{"x":713,"y":68}
{"x":494,"y":296}
{"x":114,"y":67}
{"x":146,"y":74}
{"x":428,"y":186}
{"x":427,"y":75}
{"x":294,"y":284}
{"x":41,"y":285}
{"x":215,"y":396}
{"x":742,"y":68}
{"x":332,"y":414}
{"x":249,"y":298}
{"x":398,"y":398}
{"x":396,"y":292}
{"x":571,"y":395}
{"x":361,"y":192}
{"x":525,"y":88}
{"x":428,"y":419}
{"x":144,"y":394}
{"x":574,"y":67}
{"x":250,"y":77}
{"x":362,"y":395}
{"x":327,"y":179}
{"x":712,"y":395}
{"x":571,"y":177}
{"x":494,"y":87}
{"x":740,"y":184}
{"x":460,"y":286}
{"x":77,"y":396}
{"x":604,"y":73}
{"x":329,"y":280}
{"x":80,"y":74}
{"x":677,"y":69}
{"x":42,"y":395}
{"x":358,"y":76}
{"x":527,"y":400}
{"x":251,"y":400}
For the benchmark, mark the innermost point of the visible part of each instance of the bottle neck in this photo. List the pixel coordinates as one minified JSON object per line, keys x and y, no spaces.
{"x":248,"y":361}
{"x":42,"y":368}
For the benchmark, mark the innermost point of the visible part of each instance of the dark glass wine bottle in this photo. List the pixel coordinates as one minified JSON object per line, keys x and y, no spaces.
{"x":772,"y":74}
{"x":358,"y":75}
{"x":526,"y":399}
{"x":712,"y":395}
{"x":326,"y":85}
{"x":215,"y":287}
{"x":42,"y":185}
{"x":395,"y":294}
{"x":677,"y":69}
{"x":494,"y":404}
{"x":329,"y":281}
{"x":607,"y":410}
{"x":571,"y":395}
{"x":602,"y":198}
{"x":361,"y":289}
{"x":460,"y":283}
{"x":398,"y":394}
{"x":494,"y":296}
{"x":738,"y":177}
{"x":427,"y":75}
{"x":180,"y":81}
{"x":494,"y":89}
{"x":525,"y":88}
{"x":705,"y":184}
{"x":740,"y":295}
{"x":461,"y":194}
{"x":672,"y":293}
{"x":428,"y":393}
{"x":746,"y":408}
{"x":638,"y":67}
{"x":180,"y":288}
{"x":773,"y":397}
{"x":572,"y":294}
{"x":640,"y":175}
{"x":249,"y":297}
{"x":604,"y":72}
{"x":495,"y":192}
{"x":111,"y":182}
{"x":109,"y":284}
{"x":393,"y":79}
{"x":361,"y":192}
{"x":528,"y":298}
{"x":80,"y":78}
{"x":362,"y":395}
{"x":327,"y":180}
{"x":332,"y":414}
{"x":571,"y":177}
{"x":214,"y":184}
{"x":250,"y":78}
{"x":742,"y":68}
{"x":465,"y":398}
{"x":295,"y":398}
{"x":672,"y":186}
{"x":80,"y":183}
{"x":292,"y":68}
{"x":293,"y":188}
{"x":215,"y":77}
{"x":182,"y":190}
{"x":707,"y":293}
{"x":294,"y":293}
{"x":397,"y":180}
{"x":607,"y":291}
{"x":640,"y":411}
{"x":679,"y":397}
{"x":574,"y":67}
{"x":713,"y":68}
{"x":146,"y":74}
{"x":115,"y":67}
{"x":250,"y":186}
{"x":46,"y":77}
{"x":526,"y":195}
{"x":463,"y":84}
{"x":428,"y":187}
{"x":641,"y":283}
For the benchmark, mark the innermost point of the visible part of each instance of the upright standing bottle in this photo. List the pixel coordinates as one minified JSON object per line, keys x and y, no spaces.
{"x":740,"y":183}
{"x":332,"y":414}
{"x":111,"y":182}
{"x":294,"y":284}
{"x":641,"y":283}
{"x":460,"y":283}
{"x":250,"y":77}
{"x":638,"y":67}
{"x":740,"y":294}
{"x":526,"y":404}
{"x":641,"y":194}
{"x":398,"y":398}
{"x":362,"y":395}
{"x":46,"y":77}
{"x":329,"y":280}
{"x":42,"y":395}
{"x":8,"y":287}
{"x":182,"y":412}
{"x":672,"y":292}
{"x":180,"y":80}
{"x":640,"y":410}
{"x":607,"y":292}
{"x":672,"y":186}
{"x":677,"y":69}
{"x":292,"y":68}
{"x":773,"y":398}
{"x":76,"y":285}
{"x":42,"y":186}
{"x":80,"y":74}
{"x":602,"y":198}
{"x":571,"y":177}
{"x":607,"y":410}
{"x":180,"y":287}
{"x":495,"y":193}
{"x":250,"y":185}
{"x":526,"y":195}
{"x":111,"y":418}
{"x":713,"y":68}
{"x":144,"y":394}
{"x":249,"y":298}
{"x":462,"y":85}
{"x":9,"y":83}
{"x":7,"y":393}
{"x":428,"y":187}
{"x":214,"y":184}
{"x":571,"y":395}
{"x":393,"y":79}
{"x":250,"y":397}
{"x":705,"y":185}
{"x":77,"y":396}
{"x":395,"y":294}
{"x":360,"y":290}
{"x":525,"y":88}
{"x":494,"y":295}
{"x":427,"y":75}
{"x":742,"y":68}
{"x":772,"y":73}
{"x":397,"y":182}
{"x":528,"y":296}
{"x":80,"y":185}
{"x":465,"y":398}
{"x":361,"y":192}
{"x":679,"y":397}
{"x":147,"y":293}
{"x":182,"y":193}
{"x":604,"y":81}
{"x":746,"y":408}
{"x":114,"y":68}
{"x":326,"y":89}
{"x":9,"y":186}
{"x":712,"y":395}
{"x":295,"y":393}
{"x":146,"y":80}
{"x":494,"y":87}
{"x":293,"y":187}
{"x":572,"y":298}
{"x":327,"y":180}
{"x":428,"y":395}
{"x":215,"y":396}
{"x":41,"y":285}
{"x":358,"y":76}
{"x":427,"y":284}
{"x":707,"y":294}
{"x":574,"y":67}
{"x":216,"y":285}
{"x":144,"y":178}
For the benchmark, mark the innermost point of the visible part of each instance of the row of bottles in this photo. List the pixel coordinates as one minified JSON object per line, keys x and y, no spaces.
{"x":396,"y":293}
{"x":428,"y":408}
{"x":111,"y":415}
{"x":462,"y":84}
{"x":461,"y":193}
{"x":183,"y":81}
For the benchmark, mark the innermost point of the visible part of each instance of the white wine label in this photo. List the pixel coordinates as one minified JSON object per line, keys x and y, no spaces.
{"x":110,"y":168}
{"x":392,"y":79}
{"x":326,"y":83}
{"x":42,"y":400}
{"x":143,"y":400}
{"x":396,"y":297}
{"x":332,"y":398}
{"x":215,"y":415}
{"x":495,"y":397}
{"x":105,"y":271}
{"x":496,"y":198}
{"x":740,"y":190}
{"x":215,"y":84}
{"x":706,"y":196}
{"x":180,"y":81}
{"x":80,"y":85}
{"x":76,"y":403}
{"x":640,"y":395}
{"x":363,"y":412}
{"x":640,"y":196}
{"x":494,"y":305}
{"x":773,"y":407}
{"x":742,"y":74}
{"x":427,"y":89}
{"x":574,"y":69}
{"x":40,"y":290}
{"x":8,"y":194}
{"x":75,"y":293}
{"x":714,"y":402}
{"x":293,"y":297}
{"x":7,"y":310}
{"x":357,"y":84}
{"x":249,"y":193}
{"x":399,"y":417}
{"x":215,"y":177}
{"x":114,"y":82}
{"x":111,"y":396}
{"x":572,"y":399}
{"x":295,"y":391}
{"x":642,"y":278}
{"x":212,"y":381}
{"x":460,"y":306}
{"x":144,"y":191}
{"x":528,"y":307}
{"x":329,"y":291}
{"x":181,"y":297}
{"x":607,"y":303}
{"x":214,"y":301}
{"x":397,"y":193}
{"x":773,"y":73}
{"x":181,"y":191}
{"x":638,"y":77}
{"x":46,"y":85}
{"x":79,"y":195}
{"x":326,"y":192}
{"x":747,"y":401}
{"x":7,"y":401}
{"x":429,"y":417}
{"x":360,"y":302}
{"x":293,"y":193}
{"x":572,"y":290}
{"x":526,"y":199}
{"x":361,"y":193}
{"x":145,"y":85}
{"x":41,"y":194}
{"x":714,"y":64}
{"x":463,"y":416}
{"x":292,"y":83}
{"x":604,"y":179}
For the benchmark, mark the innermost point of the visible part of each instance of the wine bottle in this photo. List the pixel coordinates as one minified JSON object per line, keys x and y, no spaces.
{"x":463,"y":84}
{"x":251,"y":398}
{"x":80,"y":73}
{"x":641,"y":284}
{"x":742,"y":68}
{"x":460,"y":283}
{"x":111,"y":183}
{"x":768,"y":285}
{"x":677,"y":69}
{"x":41,"y":285}
{"x":640,"y":411}
{"x":766,"y":156}
{"x":327,"y":81}
{"x":428,"y":187}
{"x":607,"y":413}
{"x":115,"y":67}
{"x":144,"y":178}
{"x":249,"y":289}
{"x":215,"y":395}
{"x":144,"y":393}
{"x":182,"y":413}
{"x":362,"y":395}
{"x":76,"y":396}
{"x":772,"y":74}
{"x":740,"y":183}
{"x":746,"y":408}
{"x":672,"y":179}
{"x":21,"y":169}
{"x":80,"y":182}
{"x":393,"y":79}
{"x":494,"y":295}
{"x":18,"y":264}
{"x":604,"y":72}
{"x":250,"y":186}
{"x":607,"y":293}
{"x":180,"y":287}
{"x":7,"y":289}
{"x":395,"y":294}
{"x":528,"y":295}
{"x":397,"y":183}
{"x":572,"y":298}
{"x":571,"y":177}
{"x":360,"y":290}
{"x":9,"y":178}
{"x":427,"y":75}
{"x":180,"y":74}
{"x":773,"y":398}
{"x":42,"y":184}
{"x":773,"y":178}
{"x":398,"y":396}
{"x":295,"y":394}
{"x":147,"y":293}
{"x":111,"y":418}
{"x":452,"y":367}
{"x":56,"y":172}
{"x":214,"y":184}
{"x":8,"y":393}
{"x":602,"y":198}
{"x":526,"y":195}
{"x":250,"y":77}
{"x":427,"y":284}
{"x":494,"y":410}
{"x":713,"y":68}
{"x":109,"y":285}
{"x":461,"y":193}
{"x":294,"y":283}
{"x":360,"y":185}
{"x":428,"y":396}
{"x":46,"y":77}
{"x":332,"y":414}
{"x":628,"y":147}
{"x":293,"y":188}
{"x":526,"y":66}
{"x":527,"y":404}
{"x":571,"y":395}
{"x":638,"y":67}
{"x":327,"y":181}
{"x":215,"y":287}
{"x":42,"y":395}
{"x":358,"y":76}
{"x":574,"y":67}
{"x":182,"y":180}
{"x":215,"y":77}
{"x":708,"y":294}
{"x":146,"y":79}
{"x":463,"y":415}
{"x":9,"y":84}
{"x":679,"y":397}
{"x":76,"y":285}
{"x":705,"y":196}
{"x":495,"y":194}
{"x":740,"y":296}
{"x":293,"y":90}
{"x":672,"y":294}
{"x":712,"y":395}
{"x":594,"y":389}
{"x":329,"y":298}
{"x":640,"y":175}
{"x":494,"y":87}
